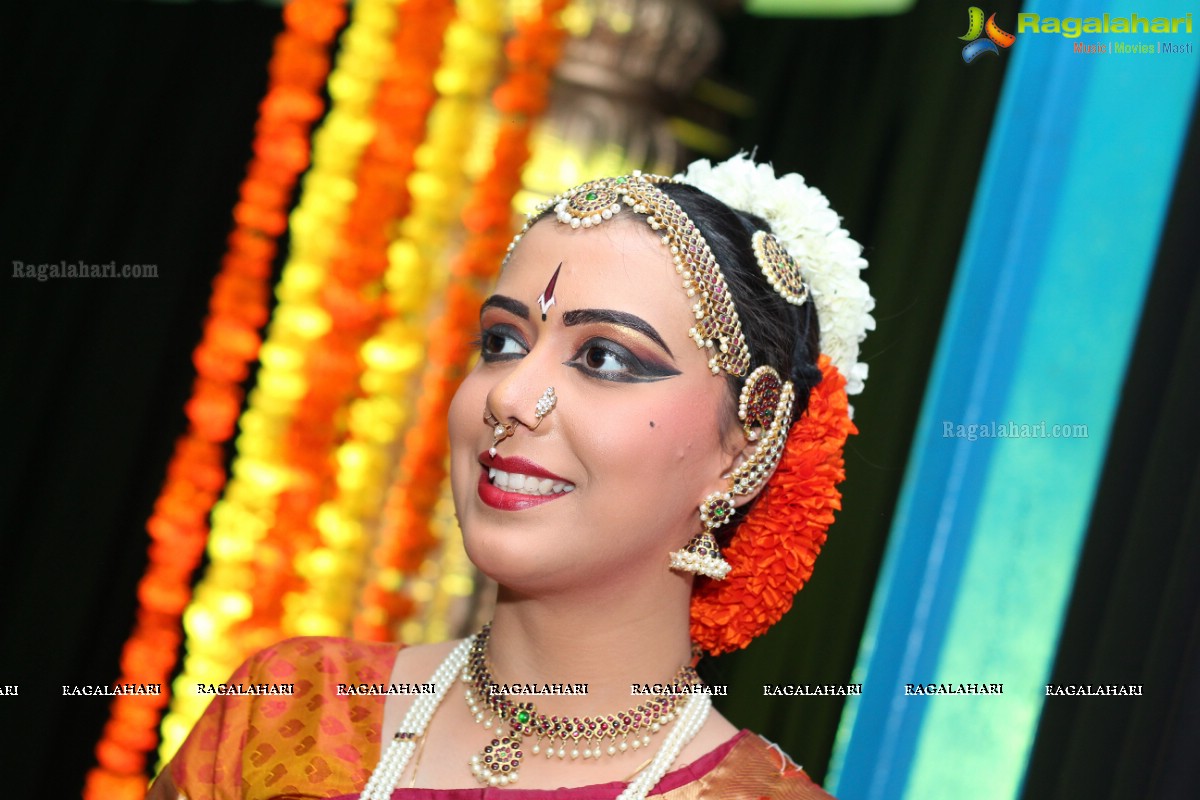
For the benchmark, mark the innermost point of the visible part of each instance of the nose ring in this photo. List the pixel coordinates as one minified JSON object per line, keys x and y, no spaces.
{"x":500,"y":430}
{"x":503,"y":430}
{"x":545,"y":405}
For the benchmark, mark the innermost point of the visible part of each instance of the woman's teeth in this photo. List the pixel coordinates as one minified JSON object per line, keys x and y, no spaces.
{"x":526,"y":484}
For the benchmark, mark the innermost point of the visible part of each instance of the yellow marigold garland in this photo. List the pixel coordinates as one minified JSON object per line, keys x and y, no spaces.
{"x":242,"y":520}
{"x":773,"y":550}
{"x":333,"y":570}
{"x":351,"y":298}
{"x":407,"y":537}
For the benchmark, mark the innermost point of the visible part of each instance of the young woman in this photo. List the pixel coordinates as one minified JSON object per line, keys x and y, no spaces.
{"x":644,"y":459}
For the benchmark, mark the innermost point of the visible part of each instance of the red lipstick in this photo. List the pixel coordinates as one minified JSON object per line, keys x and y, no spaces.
{"x":496,"y":497}
{"x":518,"y":464}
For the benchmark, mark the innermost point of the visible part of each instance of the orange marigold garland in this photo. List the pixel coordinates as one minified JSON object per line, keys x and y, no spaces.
{"x":376,"y":419}
{"x":238,"y":308}
{"x":773,"y":550}
{"x":240,"y":547}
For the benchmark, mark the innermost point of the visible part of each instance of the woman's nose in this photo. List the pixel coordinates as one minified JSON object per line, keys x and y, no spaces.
{"x":525,"y":395}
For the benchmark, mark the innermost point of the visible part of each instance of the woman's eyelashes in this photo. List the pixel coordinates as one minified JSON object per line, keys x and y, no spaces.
{"x":501,"y":343}
{"x":598,"y":357}
{"x":607,"y":360}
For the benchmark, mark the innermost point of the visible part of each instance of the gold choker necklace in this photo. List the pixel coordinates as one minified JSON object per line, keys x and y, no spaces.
{"x":589,"y":737}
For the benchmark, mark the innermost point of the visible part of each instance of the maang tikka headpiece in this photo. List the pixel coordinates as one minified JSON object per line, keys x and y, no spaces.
{"x":717,"y":325}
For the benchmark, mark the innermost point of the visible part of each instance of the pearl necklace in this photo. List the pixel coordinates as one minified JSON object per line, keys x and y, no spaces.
{"x":392,"y":764}
{"x":395,"y":759}
{"x":690,"y":721}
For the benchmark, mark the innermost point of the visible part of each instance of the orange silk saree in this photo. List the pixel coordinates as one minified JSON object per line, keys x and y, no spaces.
{"x":322,"y":741}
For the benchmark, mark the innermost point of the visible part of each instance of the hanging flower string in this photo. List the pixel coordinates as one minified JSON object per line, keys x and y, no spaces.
{"x":407,"y":537}
{"x":333,"y":570}
{"x":237,"y":310}
{"x":773,"y":550}
{"x":243,"y":517}
{"x":351,"y":298}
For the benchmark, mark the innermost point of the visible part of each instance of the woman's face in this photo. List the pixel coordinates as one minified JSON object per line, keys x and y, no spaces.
{"x":635,"y":442}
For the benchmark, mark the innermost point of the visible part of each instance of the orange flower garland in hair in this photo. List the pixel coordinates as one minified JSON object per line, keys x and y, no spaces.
{"x":773,"y":550}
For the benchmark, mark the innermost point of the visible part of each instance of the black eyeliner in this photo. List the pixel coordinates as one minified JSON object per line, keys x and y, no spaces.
{"x":619,"y":378}
{"x":648,"y":372}
{"x":506,"y":331}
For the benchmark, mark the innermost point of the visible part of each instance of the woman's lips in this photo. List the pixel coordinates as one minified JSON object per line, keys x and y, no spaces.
{"x":501,"y":474}
{"x":516,"y":464}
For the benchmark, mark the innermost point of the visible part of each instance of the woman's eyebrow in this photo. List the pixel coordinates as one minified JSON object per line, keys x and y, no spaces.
{"x":514,"y":307}
{"x":585,"y":315}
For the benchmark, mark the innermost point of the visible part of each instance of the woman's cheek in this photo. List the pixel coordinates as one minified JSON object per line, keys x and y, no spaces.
{"x":462,"y":433}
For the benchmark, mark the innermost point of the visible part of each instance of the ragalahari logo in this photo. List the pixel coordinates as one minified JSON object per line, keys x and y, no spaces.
{"x":996,"y":37}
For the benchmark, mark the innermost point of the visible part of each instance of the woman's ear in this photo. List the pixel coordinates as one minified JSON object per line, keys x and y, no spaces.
{"x":744,"y":450}
{"x":765,"y":410}
{"x":741,"y":449}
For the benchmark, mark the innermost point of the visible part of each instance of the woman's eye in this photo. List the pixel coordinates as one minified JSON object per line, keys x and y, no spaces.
{"x":497,"y":343}
{"x":603,"y":359}
{"x":606,"y":360}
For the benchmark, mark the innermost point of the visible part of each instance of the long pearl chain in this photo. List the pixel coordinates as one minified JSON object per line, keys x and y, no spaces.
{"x":404,"y":743}
{"x":392,"y":764}
{"x":687,"y":725}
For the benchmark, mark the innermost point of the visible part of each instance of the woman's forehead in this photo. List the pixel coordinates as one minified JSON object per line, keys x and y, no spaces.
{"x":620,"y":265}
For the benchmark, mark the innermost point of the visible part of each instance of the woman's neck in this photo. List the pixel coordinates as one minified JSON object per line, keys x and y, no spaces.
{"x":607,"y":643}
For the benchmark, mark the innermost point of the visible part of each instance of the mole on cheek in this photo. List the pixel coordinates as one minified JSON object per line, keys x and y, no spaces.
{"x":651,"y":423}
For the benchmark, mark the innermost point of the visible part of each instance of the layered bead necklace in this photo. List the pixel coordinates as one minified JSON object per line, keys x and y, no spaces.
{"x":498,"y":763}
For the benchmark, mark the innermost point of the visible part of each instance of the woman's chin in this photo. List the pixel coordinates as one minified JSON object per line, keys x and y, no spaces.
{"x":502,"y":556}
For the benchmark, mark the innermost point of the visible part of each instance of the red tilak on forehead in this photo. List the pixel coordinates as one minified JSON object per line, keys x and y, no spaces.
{"x":547,"y":299}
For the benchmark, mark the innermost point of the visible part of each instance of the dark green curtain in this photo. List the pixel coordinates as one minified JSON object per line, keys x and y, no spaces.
{"x":1135,"y":607}
{"x":126,"y":131}
{"x":884,"y":117}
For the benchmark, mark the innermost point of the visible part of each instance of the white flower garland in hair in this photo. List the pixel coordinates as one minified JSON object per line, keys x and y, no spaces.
{"x":830,"y":261}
